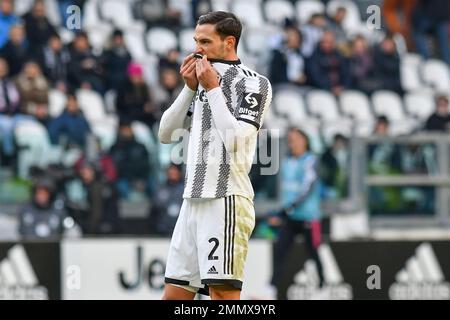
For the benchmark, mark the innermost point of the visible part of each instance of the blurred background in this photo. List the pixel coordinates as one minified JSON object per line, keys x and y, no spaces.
{"x":89,"y":197}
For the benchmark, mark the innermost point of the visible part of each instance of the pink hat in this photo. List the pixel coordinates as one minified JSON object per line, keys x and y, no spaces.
{"x":134,"y":69}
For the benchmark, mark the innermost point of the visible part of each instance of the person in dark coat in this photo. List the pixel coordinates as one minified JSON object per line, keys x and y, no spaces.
{"x":387,"y":65}
{"x":132,"y":161}
{"x":327,"y":68}
{"x":16,"y":51}
{"x":70,"y":125}
{"x":440,"y":119}
{"x":166,"y":202}
{"x":115,"y":61}
{"x":37,"y":26}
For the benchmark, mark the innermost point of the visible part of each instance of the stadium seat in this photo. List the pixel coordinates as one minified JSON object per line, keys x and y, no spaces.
{"x":256,"y":40}
{"x":66,"y":35}
{"x":330,"y":130}
{"x":161,"y":40}
{"x":390,"y":104}
{"x":278,"y":125}
{"x":99,"y":35}
{"x":221,"y":5}
{"x":352,"y":20}
{"x":110,"y":101}
{"x":323,"y":104}
{"x":52,"y":11}
{"x":91,"y":17}
{"x":436,"y":74}
{"x":91,"y":103}
{"x":277,"y":10}
{"x":249,"y":11}
{"x":106,"y":132}
{"x":57,"y":102}
{"x":135,"y":44}
{"x":150,"y":66}
{"x":356,"y":105}
{"x":409,"y":72}
{"x":22,"y":7}
{"x":419,"y":104}
{"x":118,"y":12}
{"x":289,"y":103}
{"x":187,"y":43}
{"x":34,"y":147}
{"x":306,"y":8}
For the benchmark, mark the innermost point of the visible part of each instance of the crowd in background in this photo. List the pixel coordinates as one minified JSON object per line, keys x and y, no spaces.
{"x":318,"y":54}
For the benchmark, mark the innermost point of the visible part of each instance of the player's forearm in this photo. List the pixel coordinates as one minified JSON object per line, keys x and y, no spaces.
{"x":228,"y":127}
{"x":175,"y":116}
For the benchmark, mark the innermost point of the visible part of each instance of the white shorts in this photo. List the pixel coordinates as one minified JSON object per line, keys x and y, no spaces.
{"x":210,"y":242}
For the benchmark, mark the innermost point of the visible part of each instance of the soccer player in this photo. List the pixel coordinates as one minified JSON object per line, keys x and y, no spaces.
{"x":223,"y":104}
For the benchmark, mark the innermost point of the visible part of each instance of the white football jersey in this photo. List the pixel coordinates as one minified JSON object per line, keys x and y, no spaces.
{"x":211,"y":171}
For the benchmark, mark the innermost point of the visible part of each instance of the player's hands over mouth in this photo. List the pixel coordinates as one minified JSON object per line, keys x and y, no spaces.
{"x":206,"y":74}
{"x":187,"y":72}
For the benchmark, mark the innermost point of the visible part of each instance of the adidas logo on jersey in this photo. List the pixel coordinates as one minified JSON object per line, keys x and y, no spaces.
{"x":421,"y":278}
{"x":17,"y":277}
{"x":306,"y":281}
{"x":212,"y":270}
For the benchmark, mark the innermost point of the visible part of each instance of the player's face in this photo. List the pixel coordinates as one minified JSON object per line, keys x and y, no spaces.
{"x":208,"y":42}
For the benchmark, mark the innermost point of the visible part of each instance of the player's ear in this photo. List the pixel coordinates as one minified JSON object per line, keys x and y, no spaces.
{"x":230,"y":42}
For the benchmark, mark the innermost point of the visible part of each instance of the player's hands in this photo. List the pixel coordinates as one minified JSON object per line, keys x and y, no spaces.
{"x":206,"y":74}
{"x":187,"y":72}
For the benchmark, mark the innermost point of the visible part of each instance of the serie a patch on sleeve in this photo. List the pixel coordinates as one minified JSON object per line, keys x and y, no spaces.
{"x":250,"y":108}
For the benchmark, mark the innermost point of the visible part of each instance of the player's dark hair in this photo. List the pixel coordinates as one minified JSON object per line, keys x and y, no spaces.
{"x":226,"y":23}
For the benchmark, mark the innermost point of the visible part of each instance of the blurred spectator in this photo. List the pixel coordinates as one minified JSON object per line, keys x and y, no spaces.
{"x":32,"y":85}
{"x":384,"y":159}
{"x":42,"y":217}
{"x":85,"y":68}
{"x":54,"y":59}
{"x":301,"y":212}
{"x":166,"y":202}
{"x":362,"y":66}
{"x":115,"y":61}
{"x":432,"y":17}
{"x":16,"y":50}
{"x":387,"y":65}
{"x":132,"y":162}
{"x":134,"y":101}
{"x":104,"y":162}
{"x":398,"y":18}
{"x":98,"y":209}
{"x":7,"y":20}
{"x":328,"y":69}
{"x":440,"y":119}
{"x":170,"y":60}
{"x":38,"y":28}
{"x":335,"y":24}
{"x":312,"y":32}
{"x":198,"y":8}
{"x":170,"y":85}
{"x":333,"y":168}
{"x":158,"y":13}
{"x":71,"y":127}
{"x":9,"y":113}
{"x":287,"y":63}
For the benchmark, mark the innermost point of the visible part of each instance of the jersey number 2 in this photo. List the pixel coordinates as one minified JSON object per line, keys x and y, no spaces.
{"x":211,"y":255}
